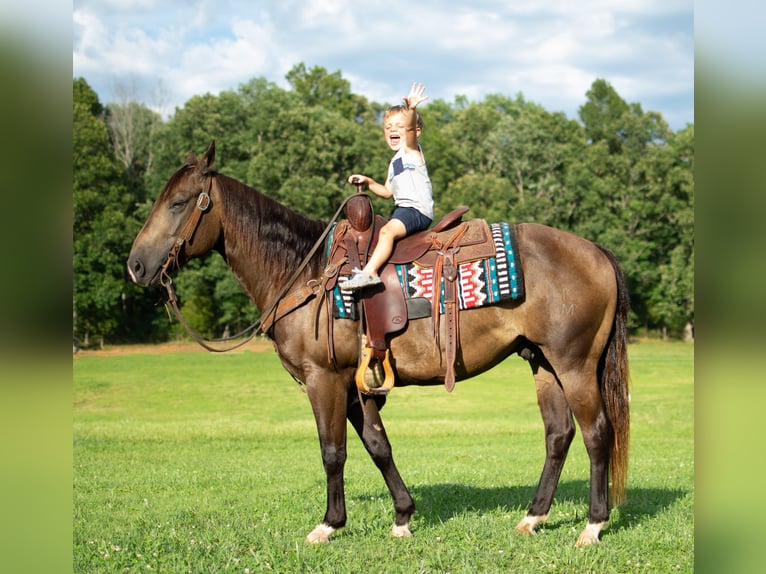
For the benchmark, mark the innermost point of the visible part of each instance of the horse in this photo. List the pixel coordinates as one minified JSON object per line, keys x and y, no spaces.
{"x":570,"y":327}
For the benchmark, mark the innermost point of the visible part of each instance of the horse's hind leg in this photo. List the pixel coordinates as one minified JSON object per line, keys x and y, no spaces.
{"x":364,"y":415}
{"x":597,"y":435}
{"x":559,"y":432}
{"x":580,"y":386}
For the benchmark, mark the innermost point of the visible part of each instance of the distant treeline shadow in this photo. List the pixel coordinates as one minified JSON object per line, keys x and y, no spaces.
{"x":440,"y":502}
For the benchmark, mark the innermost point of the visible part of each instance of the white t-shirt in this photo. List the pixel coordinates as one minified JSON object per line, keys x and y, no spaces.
{"x":409,"y":182}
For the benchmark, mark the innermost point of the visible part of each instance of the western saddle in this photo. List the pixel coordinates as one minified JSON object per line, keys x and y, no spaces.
{"x":384,"y":309}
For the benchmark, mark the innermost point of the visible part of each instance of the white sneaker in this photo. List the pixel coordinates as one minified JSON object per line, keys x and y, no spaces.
{"x":359,"y":280}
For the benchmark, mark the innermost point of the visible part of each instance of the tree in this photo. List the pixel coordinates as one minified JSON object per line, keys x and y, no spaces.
{"x":99,"y":204}
{"x":441,"y":151}
{"x":201,"y":120}
{"x":471,"y":126}
{"x":534,"y":150}
{"x":601,"y":114}
{"x":306,"y":154}
{"x":317,"y":87}
{"x":619,"y":177}
{"x":631,"y":191}
{"x":488,"y":195}
{"x":132,"y":128}
{"x":103,"y":229}
{"x":212,"y":301}
{"x":672,"y":297}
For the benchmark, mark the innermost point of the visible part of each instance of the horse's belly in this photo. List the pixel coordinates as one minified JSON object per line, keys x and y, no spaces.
{"x":485,"y":340}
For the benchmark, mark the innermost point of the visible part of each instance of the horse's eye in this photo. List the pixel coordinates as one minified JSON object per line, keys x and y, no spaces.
{"x":178,"y":204}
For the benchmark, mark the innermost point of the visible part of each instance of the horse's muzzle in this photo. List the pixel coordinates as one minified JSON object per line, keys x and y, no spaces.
{"x":138,"y":272}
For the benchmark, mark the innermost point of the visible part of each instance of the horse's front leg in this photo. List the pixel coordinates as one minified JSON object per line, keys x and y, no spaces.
{"x":328,"y":401}
{"x":364,"y":415}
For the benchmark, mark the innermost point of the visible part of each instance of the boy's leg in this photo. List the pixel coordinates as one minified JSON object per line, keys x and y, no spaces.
{"x":368,"y":276}
{"x":389,"y":233}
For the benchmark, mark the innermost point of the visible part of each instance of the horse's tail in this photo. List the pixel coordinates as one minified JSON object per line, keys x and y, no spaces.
{"x":614,"y":380}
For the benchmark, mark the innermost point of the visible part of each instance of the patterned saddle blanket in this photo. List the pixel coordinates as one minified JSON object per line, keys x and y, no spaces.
{"x":480,"y":282}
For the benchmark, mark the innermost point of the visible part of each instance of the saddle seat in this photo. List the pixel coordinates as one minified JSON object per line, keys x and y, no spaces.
{"x":443,"y":248}
{"x":422,"y":247}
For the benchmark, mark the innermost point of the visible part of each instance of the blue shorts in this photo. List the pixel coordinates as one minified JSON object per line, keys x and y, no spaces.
{"x":412,"y":219}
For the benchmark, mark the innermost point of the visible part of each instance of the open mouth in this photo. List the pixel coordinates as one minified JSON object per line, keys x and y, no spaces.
{"x":394,"y":139}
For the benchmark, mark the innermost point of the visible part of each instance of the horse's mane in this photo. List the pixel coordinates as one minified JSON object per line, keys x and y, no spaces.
{"x":275,"y":235}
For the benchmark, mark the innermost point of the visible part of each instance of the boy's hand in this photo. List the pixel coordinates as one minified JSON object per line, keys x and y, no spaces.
{"x":358,"y":179}
{"x":416,"y":95}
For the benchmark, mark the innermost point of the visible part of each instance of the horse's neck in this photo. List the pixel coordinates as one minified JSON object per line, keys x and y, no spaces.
{"x":265,"y":242}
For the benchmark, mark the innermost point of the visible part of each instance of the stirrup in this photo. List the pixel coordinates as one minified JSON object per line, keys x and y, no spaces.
{"x":377,"y":379}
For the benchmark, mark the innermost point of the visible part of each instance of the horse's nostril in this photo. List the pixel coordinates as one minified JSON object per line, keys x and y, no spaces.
{"x":136,"y":269}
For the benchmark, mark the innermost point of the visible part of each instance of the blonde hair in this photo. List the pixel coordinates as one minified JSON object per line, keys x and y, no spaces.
{"x":398,"y":109}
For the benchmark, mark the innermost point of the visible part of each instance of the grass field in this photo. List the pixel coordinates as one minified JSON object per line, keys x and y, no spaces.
{"x":196,"y":462}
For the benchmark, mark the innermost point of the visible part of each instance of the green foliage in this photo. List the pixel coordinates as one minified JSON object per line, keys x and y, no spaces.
{"x":618,"y":176}
{"x":324,"y":155}
{"x":212,"y":301}
{"x":107,"y":204}
{"x":489,"y":196}
{"x":533,"y":149}
{"x":317,"y":88}
{"x":102,"y":228}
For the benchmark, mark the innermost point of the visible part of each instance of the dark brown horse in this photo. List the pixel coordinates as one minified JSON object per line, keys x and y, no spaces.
{"x":570,"y":327}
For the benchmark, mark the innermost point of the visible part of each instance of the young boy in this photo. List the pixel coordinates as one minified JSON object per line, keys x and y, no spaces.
{"x":407,"y":183}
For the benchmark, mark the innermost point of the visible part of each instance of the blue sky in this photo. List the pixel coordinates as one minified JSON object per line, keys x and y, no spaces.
{"x":163,"y":52}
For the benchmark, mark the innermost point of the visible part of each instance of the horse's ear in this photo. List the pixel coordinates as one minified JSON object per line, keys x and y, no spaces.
{"x":191,"y":159}
{"x":205,"y":163}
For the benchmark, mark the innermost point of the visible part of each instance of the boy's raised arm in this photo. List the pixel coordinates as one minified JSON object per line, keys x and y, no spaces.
{"x":414,"y":98}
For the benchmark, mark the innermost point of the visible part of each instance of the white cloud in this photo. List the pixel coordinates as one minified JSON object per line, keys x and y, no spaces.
{"x":90,"y":35}
{"x":551,"y":51}
{"x":226,"y":62}
{"x":320,"y":13}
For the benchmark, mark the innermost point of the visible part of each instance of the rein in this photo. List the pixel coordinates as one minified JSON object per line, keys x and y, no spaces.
{"x":269,"y":317}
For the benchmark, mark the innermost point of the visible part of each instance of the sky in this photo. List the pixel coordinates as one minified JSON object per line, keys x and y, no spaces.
{"x":163,"y":52}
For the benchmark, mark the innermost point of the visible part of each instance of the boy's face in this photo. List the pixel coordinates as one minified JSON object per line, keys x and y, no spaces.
{"x":395,"y":130}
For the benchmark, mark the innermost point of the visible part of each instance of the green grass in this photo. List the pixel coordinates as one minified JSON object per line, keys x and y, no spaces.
{"x":193,"y":462}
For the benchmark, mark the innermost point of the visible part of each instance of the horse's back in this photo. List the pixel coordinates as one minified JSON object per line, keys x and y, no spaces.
{"x":571,"y":289}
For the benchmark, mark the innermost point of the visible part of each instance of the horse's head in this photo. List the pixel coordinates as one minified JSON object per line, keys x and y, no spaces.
{"x":179,"y":225}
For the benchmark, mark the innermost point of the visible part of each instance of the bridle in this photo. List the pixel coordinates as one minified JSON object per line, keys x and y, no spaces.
{"x":203,"y":203}
{"x":172,"y":261}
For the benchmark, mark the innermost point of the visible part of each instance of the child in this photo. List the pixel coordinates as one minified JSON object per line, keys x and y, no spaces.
{"x":407,"y":183}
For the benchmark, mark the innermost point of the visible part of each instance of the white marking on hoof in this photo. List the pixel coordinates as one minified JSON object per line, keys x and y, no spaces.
{"x":529,"y":523}
{"x":320,"y":534}
{"x":590,"y":534}
{"x":401,"y":531}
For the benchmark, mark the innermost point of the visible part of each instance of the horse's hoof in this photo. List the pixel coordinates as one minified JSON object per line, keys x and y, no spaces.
{"x":401,"y":531}
{"x":320,"y":534}
{"x":589,"y":535}
{"x":528,"y":524}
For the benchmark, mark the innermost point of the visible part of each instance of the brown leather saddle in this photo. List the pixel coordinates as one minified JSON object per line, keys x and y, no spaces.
{"x":442,"y":248}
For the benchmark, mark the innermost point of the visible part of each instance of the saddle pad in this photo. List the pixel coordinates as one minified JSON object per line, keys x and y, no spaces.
{"x":481,"y":282}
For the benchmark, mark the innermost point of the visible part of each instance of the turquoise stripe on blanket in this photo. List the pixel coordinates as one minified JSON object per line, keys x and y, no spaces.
{"x":480,"y":283}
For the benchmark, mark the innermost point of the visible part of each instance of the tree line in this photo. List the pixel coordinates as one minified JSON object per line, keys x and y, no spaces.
{"x":618,"y":176}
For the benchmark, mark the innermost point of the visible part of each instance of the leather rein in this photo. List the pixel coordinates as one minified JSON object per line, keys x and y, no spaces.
{"x":270,"y":316}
